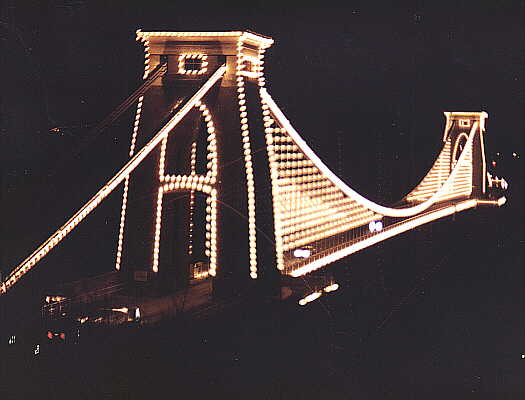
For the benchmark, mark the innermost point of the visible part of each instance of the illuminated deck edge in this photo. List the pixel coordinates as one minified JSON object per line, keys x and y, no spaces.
{"x":394,"y":230}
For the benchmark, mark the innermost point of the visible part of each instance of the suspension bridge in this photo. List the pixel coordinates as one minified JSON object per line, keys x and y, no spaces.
{"x":219,"y":210}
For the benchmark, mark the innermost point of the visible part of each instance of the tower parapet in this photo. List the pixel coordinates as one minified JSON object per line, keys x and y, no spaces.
{"x":193,"y":56}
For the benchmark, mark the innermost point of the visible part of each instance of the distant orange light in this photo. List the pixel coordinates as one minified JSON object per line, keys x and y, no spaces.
{"x":493,"y":163}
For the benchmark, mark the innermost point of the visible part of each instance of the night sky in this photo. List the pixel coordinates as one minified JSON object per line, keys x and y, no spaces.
{"x":366,"y":86}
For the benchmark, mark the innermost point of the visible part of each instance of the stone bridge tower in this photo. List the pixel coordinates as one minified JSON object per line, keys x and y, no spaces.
{"x":194,"y":199}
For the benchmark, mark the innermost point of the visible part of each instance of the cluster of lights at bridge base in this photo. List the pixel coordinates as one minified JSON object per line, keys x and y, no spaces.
{"x":123,"y":310}
{"x":54,"y":299}
{"x":202,"y":274}
{"x":495,"y":182}
{"x":315,"y":295}
{"x":51,"y":335}
{"x":331,"y":288}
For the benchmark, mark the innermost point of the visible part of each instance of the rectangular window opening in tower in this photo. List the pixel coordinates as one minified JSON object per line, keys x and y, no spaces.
{"x":192,"y":64}
{"x":464,"y":123}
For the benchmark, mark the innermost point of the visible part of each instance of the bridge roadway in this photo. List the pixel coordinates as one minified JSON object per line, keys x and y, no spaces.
{"x":391,"y":228}
{"x":196,"y":300}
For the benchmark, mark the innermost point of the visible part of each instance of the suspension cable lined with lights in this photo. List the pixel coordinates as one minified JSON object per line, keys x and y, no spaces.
{"x":440,"y":172}
{"x":315,"y":213}
{"x":26,"y":265}
{"x":443,"y":190}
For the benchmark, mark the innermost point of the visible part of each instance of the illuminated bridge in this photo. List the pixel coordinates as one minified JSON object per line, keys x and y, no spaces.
{"x":234,"y":196}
